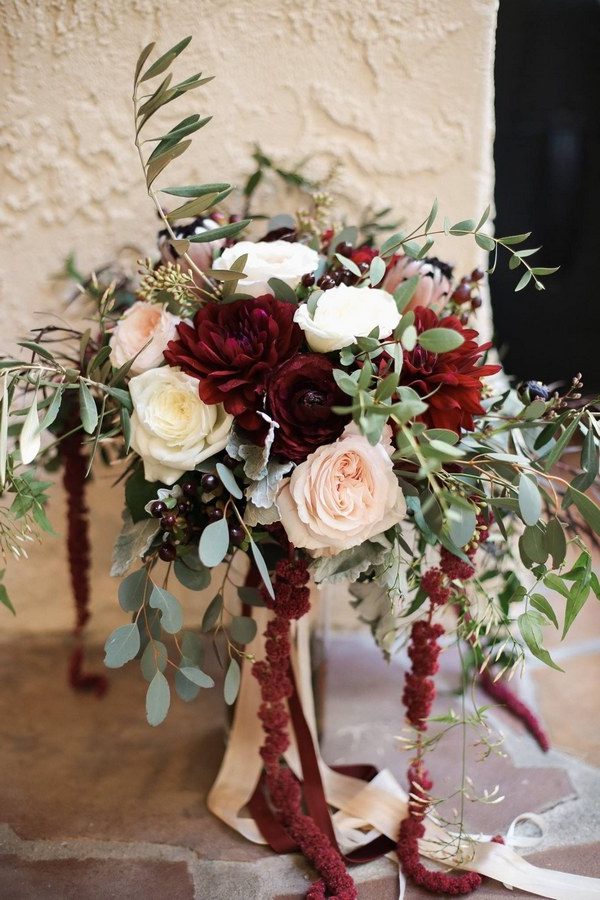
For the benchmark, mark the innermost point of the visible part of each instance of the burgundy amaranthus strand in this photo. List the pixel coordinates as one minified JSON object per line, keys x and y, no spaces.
{"x":291,"y":602}
{"x":78,"y":548}
{"x":418,"y":697}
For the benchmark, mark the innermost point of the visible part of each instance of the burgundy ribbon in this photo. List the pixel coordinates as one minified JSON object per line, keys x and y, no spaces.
{"x":314,"y":795}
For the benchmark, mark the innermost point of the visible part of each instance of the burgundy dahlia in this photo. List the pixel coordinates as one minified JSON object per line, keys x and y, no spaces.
{"x":299,"y":398}
{"x":451,"y":381}
{"x":233,"y":349}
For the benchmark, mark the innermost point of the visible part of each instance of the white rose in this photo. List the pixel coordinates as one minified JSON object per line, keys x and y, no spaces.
{"x":341,"y":495}
{"x":172,"y":429}
{"x":269,"y":259}
{"x":144,"y":325}
{"x":344,"y":313}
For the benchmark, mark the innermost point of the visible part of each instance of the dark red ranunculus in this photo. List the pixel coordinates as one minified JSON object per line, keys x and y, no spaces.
{"x":299,"y":398}
{"x":233,"y":349}
{"x":452,"y":379}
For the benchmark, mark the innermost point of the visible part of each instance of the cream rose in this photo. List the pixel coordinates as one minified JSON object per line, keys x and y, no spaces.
{"x":344,"y":313}
{"x":341,"y":495}
{"x":144,"y":332}
{"x":172,"y":429}
{"x":269,"y":259}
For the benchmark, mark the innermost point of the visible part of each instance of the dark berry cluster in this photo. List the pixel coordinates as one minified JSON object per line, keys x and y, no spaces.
{"x":467,"y":291}
{"x":203,"y":501}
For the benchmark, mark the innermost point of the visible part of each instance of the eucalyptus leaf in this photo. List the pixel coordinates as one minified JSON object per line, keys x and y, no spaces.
{"x":440,"y":340}
{"x":232,"y":682}
{"x":154,"y":659}
{"x":228,"y":481}
{"x":197,"y":676}
{"x":158,"y":699}
{"x":262,"y":568}
{"x":196,"y":579}
{"x":212,"y":614}
{"x":243,"y":629}
{"x":121,"y":646}
{"x":134,"y":589}
{"x":170,"y":607}
{"x":87,"y":409}
{"x":214,"y":543}
{"x":530,"y":500}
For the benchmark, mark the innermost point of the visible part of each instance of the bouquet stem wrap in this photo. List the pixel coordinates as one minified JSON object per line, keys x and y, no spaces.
{"x":366,"y":815}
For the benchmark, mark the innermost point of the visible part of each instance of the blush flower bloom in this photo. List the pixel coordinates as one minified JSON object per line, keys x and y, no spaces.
{"x":341,"y":495}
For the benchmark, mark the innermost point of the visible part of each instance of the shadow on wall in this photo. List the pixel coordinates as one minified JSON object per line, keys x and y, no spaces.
{"x":547,"y":156}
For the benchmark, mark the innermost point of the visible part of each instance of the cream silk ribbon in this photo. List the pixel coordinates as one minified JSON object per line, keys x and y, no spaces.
{"x":363,"y":810}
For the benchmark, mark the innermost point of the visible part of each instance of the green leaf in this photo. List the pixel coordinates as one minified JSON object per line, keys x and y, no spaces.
{"x":432,"y":215}
{"x":38,"y":349}
{"x":262,"y":568}
{"x":461,"y":525}
{"x":214,"y":543}
{"x":530,"y":500}
{"x":387,"y":386}
{"x":29,"y":438}
{"x":53,"y":410}
{"x":464,"y":227}
{"x":515,"y":238}
{"x":194,"y":579}
{"x":87,"y":409}
{"x":142,"y":59}
{"x":157,"y":165}
{"x":213,"y":611}
{"x":545,"y":270}
{"x":243,"y":629}
{"x":409,"y":338}
{"x":376,"y":271}
{"x":164,"y":61}
{"x":543,"y":605}
{"x":391,"y":244}
{"x":215,"y":234}
{"x":133,"y":590}
{"x":5,"y":599}
{"x":440,"y":340}
{"x":561,"y":443}
{"x":154,"y":659}
{"x":228,"y":481}
{"x":533,"y":543}
{"x":170,"y":607}
{"x":405,"y":292}
{"x":485,"y":242}
{"x":282,"y":290}
{"x":349,"y":264}
{"x":250,"y":596}
{"x":196,"y":190}
{"x":485,"y":216}
{"x":588,"y":509}
{"x":193,"y":208}
{"x":197,"y":676}
{"x":531,"y":631}
{"x":524,"y":281}
{"x":121,"y":646}
{"x":575,"y":602}
{"x":232,"y":682}
{"x":556,"y":541}
{"x":158,"y":699}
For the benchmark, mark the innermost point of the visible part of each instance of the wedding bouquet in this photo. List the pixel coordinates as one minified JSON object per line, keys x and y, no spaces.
{"x":316,"y":401}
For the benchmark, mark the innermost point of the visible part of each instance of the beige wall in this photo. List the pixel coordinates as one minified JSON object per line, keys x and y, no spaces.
{"x":399,"y":91}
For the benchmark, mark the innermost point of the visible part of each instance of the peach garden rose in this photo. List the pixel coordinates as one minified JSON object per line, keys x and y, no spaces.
{"x":143,"y":332}
{"x":342,"y":495}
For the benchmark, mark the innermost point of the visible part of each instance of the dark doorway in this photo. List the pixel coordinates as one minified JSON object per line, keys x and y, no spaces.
{"x":547,"y":157}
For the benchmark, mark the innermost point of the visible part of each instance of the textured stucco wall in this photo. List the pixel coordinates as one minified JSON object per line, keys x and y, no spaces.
{"x":400,"y":91}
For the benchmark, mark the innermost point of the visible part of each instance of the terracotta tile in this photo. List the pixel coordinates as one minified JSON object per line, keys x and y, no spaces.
{"x":93,"y":879}
{"x":570,"y":706}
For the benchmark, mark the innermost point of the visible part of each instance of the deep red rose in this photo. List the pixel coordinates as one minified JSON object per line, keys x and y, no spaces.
{"x":453,"y":379}
{"x":299,"y":398}
{"x":233,"y":348}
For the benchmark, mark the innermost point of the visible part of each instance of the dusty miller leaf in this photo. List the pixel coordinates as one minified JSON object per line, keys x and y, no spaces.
{"x":132,"y":543}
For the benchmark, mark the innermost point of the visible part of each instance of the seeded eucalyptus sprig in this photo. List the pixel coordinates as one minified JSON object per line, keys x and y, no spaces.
{"x":409,"y":244}
{"x":198,"y":198}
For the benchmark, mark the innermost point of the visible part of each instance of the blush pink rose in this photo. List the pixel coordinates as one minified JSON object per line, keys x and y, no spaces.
{"x":433,"y":287}
{"x":341,"y":495}
{"x":144,"y":332}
